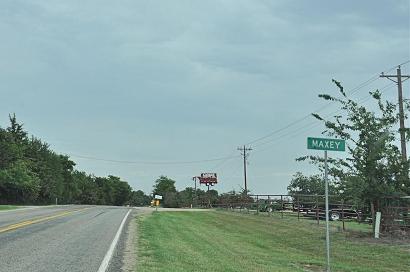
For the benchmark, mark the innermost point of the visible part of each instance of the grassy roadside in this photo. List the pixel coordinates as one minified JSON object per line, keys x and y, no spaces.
{"x":225,"y":241}
{"x":8,"y":207}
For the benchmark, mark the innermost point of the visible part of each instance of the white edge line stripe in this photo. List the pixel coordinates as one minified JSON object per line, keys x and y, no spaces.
{"x":110,"y":252}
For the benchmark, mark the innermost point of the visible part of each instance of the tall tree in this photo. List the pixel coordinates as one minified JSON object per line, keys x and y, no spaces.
{"x":16,"y":130}
{"x":164,"y":185}
{"x":30,"y":172}
{"x":374,"y":160}
{"x":18,"y":184}
{"x":139,"y":199}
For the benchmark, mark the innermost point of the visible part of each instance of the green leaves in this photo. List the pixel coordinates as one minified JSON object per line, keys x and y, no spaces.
{"x":341,"y":90}
{"x":374,"y":160}
{"x":31,"y":173}
{"x":317,"y":116}
{"x":20,"y":183}
{"x":308,"y":185}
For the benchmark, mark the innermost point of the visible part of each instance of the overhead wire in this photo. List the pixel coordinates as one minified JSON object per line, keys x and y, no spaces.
{"x":314,"y":124}
{"x":328,"y":115}
{"x":224,"y":160}
{"x":362,"y":85}
{"x":351,"y":92}
{"x":150,"y":162}
{"x":220,"y":164}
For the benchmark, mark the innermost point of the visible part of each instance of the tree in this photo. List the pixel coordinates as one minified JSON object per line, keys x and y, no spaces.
{"x":30,"y":172}
{"x":186,"y":197}
{"x":212,"y":196}
{"x":13,"y":141}
{"x":86,"y":188}
{"x":16,"y":130}
{"x":18,"y":184}
{"x":164,"y":185}
{"x":170,"y":200}
{"x":140,"y":199}
{"x":121,"y":191}
{"x":234,"y":198}
{"x":374,"y":161}
{"x":308,"y":185}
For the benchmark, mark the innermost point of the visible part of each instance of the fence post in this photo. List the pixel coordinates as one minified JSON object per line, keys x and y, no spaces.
{"x":377,"y":225}
{"x":257,"y":206}
{"x":343,"y":215}
{"x":298,"y":205}
{"x":281,"y":204}
{"x":373,"y":216}
{"x":317,"y":209}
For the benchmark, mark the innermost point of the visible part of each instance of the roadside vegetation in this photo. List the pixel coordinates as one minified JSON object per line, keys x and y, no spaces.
{"x":32,"y":173}
{"x":8,"y":207}
{"x":228,"y":241}
{"x":374,"y":168}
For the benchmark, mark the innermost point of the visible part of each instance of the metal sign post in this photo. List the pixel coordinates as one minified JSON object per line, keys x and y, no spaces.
{"x":326,"y":145}
{"x":157,"y":199}
{"x":327,"y":215}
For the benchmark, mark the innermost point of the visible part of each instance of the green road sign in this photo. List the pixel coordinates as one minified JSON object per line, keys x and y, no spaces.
{"x":326,"y":144}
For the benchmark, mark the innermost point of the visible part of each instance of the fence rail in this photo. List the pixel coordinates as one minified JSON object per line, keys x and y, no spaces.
{"x":395,"y":211}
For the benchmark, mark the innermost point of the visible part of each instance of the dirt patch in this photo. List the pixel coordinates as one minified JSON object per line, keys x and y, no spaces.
{"x":309,"y":267}
{"x":402,"y":241}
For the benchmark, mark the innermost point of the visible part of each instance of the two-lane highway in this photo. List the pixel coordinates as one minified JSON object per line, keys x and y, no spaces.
{"x":62,"y":238}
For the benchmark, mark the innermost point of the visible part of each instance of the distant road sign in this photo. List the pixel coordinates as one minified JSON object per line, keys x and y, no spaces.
{"x":326,"y":144}
{"x":158,"y":197}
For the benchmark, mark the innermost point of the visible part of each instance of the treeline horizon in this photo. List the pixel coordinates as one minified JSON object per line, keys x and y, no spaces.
{"x":32,"y":173}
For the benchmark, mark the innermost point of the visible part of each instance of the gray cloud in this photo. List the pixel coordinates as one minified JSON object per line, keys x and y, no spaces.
{"x":186,"y":80}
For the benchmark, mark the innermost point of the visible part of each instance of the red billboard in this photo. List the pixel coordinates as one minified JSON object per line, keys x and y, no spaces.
{"x":208,"y":178}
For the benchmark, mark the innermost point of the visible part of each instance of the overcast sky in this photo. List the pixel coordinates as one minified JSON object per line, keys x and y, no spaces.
{"x":182,"y":81}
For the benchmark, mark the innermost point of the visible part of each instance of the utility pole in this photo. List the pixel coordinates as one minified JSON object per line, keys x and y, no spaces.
{"x":244,"y":152}
{"x":398,"y":78}
{"x":195,"y":200}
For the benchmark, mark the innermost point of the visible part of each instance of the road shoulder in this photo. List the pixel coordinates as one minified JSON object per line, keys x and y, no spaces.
{"x":125,"y":257}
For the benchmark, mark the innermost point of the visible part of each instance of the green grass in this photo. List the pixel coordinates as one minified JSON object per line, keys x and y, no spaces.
{"x":338,"y":225}
{"x":8,"y":207}
{"x":227,"y":241}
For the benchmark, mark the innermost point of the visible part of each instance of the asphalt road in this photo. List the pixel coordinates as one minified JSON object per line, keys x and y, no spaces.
{"x":54,"y":239}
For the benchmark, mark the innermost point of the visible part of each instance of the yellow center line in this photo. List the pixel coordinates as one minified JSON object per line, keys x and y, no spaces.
{"x":38,"y":220}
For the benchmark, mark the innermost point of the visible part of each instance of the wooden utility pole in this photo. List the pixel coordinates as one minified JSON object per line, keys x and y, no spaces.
{"x":244,"y":152}
{"x":398,"y":78}
{"x":195,"y":200}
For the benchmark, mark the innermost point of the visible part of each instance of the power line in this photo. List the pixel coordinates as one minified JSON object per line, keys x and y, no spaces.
{"x":223,"y":160}
{"x":313,"y":124}
{"x":307,"y":127}
{"x":220,"y":164}
{"x":352,"y":91}
{"x":151,"y":162}
{"x":367,"y":82}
